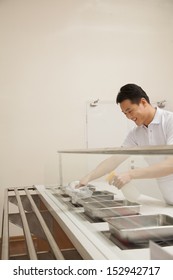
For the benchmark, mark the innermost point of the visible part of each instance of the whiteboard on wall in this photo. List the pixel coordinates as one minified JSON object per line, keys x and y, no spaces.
{"x":106,"y":126}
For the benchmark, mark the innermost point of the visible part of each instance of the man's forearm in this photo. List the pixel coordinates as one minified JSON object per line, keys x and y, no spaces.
{"x":103,"y":168}
{"x":156,"y":171}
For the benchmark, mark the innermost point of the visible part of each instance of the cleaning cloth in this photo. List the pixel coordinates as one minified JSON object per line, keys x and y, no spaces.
{"x":77,"y":193}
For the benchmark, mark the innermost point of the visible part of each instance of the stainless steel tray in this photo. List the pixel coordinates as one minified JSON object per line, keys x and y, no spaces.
{"x":142,"y":228}
{"x":102,"y":193}
{"x":111,"y":208}
{"x":97,"y":196}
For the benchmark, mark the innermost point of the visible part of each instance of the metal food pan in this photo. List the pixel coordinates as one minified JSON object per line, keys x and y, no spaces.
{"x":111,"y":208}
{"x":97,"y":197}
{"x":94,"y":199}
{"x":142,"y":228}
{"x":102,"y":193}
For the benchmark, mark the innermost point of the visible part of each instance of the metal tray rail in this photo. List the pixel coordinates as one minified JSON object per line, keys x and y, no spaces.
{"x":20,"y":218}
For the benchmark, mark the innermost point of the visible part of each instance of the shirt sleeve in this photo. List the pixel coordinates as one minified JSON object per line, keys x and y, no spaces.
{"x":169,"y":130}
{"x":130,"y":140}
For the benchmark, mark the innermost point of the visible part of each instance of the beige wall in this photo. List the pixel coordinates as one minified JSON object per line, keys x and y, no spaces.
{"x":57,"y":54}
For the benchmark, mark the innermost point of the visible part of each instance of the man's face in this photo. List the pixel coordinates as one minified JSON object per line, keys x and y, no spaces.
{"x":134,"y":112}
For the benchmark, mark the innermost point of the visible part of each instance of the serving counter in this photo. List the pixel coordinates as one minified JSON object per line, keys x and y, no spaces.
{"x":92,"y":238}
{"x":54,"y":227}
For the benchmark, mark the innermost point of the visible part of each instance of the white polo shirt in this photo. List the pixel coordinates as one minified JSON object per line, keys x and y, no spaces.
{"x":158,"y":132}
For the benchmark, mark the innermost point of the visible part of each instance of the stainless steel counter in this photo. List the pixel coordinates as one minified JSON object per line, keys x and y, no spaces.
{"x":91,"y":238}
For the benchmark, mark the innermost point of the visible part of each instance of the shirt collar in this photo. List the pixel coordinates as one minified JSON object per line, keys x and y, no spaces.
{"x":157,"y":116}
{"x":156,"y":119}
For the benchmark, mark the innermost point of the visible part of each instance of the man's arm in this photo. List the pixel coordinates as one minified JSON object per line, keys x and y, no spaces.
{"x":102,"y":169}
{"x":158,"y":170}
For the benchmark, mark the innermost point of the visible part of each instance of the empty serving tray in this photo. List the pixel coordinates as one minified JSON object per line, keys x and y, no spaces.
{"x":142,"y":228}
{"x":102,"y":193}
{"x":111,"y":208}
{"x":97,"y":196}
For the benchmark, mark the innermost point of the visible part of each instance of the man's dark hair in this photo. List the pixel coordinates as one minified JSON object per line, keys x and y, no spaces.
{"x":132,"y":92}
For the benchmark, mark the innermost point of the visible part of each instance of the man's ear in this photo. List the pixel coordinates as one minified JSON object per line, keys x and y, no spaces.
{"x":144,"y":101}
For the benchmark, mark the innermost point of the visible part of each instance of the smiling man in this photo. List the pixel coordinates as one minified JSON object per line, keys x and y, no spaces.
{"x":154,"y":126}
{"x":135,"y":104}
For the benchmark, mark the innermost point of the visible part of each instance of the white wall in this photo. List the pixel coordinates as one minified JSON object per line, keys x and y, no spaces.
{"x":57,"y":54}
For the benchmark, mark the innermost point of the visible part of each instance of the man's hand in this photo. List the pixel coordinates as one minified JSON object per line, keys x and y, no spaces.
{"x":83,"y":182}
{"x":118,"y":180}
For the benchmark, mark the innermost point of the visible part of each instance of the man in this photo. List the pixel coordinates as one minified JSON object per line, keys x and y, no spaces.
{"x":153,"y":127}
